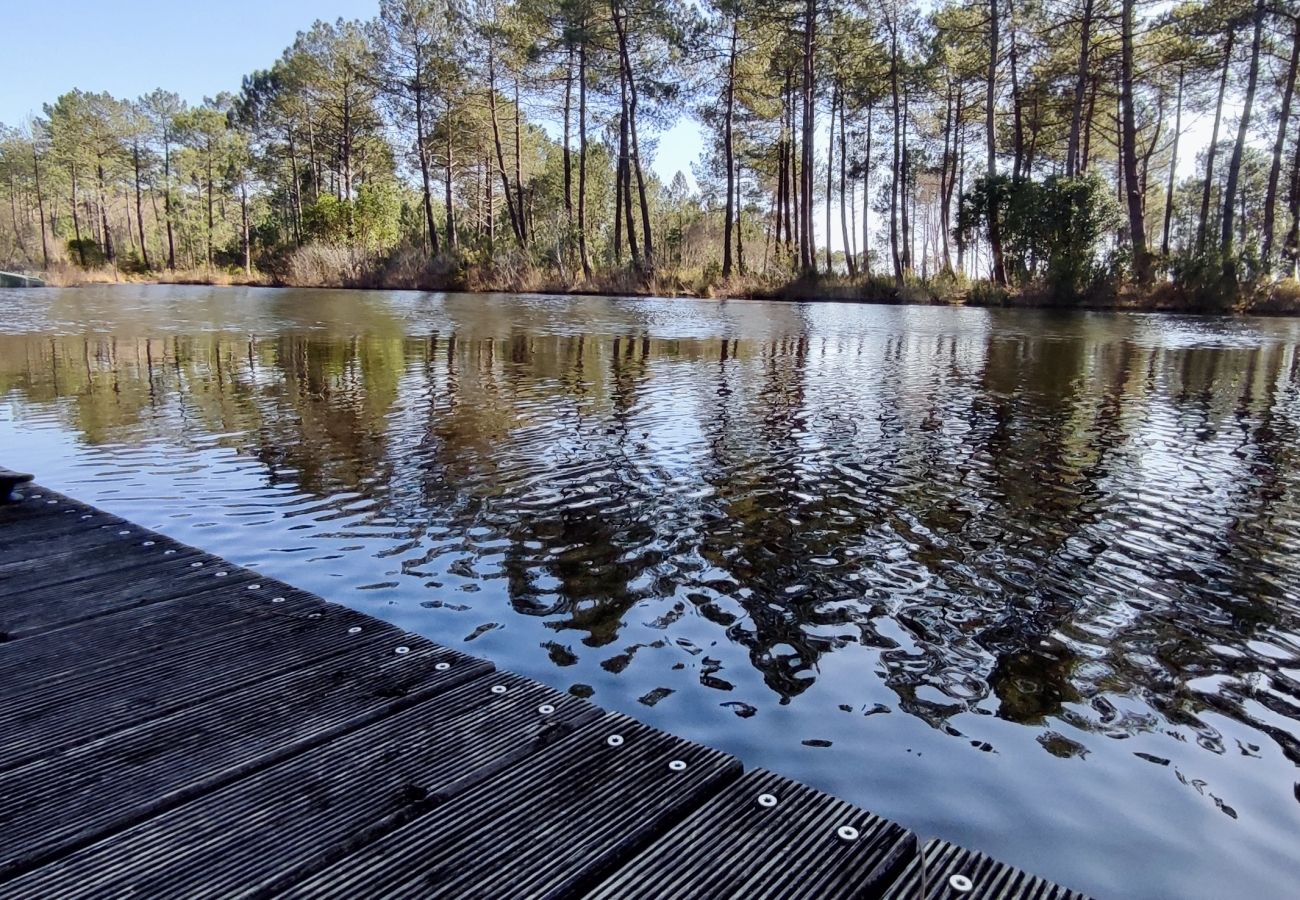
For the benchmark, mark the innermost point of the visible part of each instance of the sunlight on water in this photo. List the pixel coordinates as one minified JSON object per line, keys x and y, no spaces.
{"x":1027,"y":581}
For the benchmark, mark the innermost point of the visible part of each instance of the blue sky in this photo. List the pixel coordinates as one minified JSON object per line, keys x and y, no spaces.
{"x":197,"y":50}
{"x":130,"y":48}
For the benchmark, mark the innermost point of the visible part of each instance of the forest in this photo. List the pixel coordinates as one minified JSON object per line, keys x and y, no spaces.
{"x":978,"y":151}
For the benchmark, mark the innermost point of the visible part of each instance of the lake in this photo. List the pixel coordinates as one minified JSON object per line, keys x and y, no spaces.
{"x":1027,"y":581}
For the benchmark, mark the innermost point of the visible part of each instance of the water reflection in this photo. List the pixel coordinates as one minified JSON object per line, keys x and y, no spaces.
{"x":1082,"y":526}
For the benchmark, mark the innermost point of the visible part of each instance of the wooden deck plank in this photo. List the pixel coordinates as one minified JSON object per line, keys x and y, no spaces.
{"x":944,"y":871}
{"x":289,"y":821}
{"x":737,"y":846}
{"x":44,"y":710}
{"x":52,"y":570}
{"x":34,"y":612}
{"x":66,"y":800}
{"x":547,"y":829}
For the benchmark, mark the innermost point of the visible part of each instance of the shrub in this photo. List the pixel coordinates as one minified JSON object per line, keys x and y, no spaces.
{"x":1052,"y":230}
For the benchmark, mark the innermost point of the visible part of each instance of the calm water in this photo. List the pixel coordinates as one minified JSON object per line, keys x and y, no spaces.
{"x":1030,"y":582}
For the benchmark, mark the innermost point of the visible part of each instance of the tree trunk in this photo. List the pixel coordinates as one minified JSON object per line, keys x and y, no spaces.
{"x":1279,"y":145}
{"x":995,"y":227}
{"x":209,"y":172}
{"x":623,"y":198}
{"x":1202,"y":228}
{"x":1243,"y":131}
{"x":1133,"y":189}
{"x":167,"y":201}
{"x":422,"y":154}
{"x":40,"y":205}
{"x":830,"y":184}
{"x":519,"y":178}
{"x":807,"y":252}
{"x":501,"y":157}
{"x":728,"y":150}
{"x":845,"y":232}
{"x":243,"y":211}
{"x":582,"y":159}
{"x":1173,"y":164}
{"x":76,"y":218}
{"x":740,"y":234}
{"x":1080,"y":88}
{"x":904,"y":194}
{"x":1085,"y":154}
{"x":620,"y":26}
{"x":894,"y":186}
{"x":952,"y":114}
{"x":297,"y":185}
{"x":109,"y":251}
{"x":1018,"y":128}
{"x":866,"y":195}
{"x":447,"y":184}
{"x":1293,"y":236}
{"x":139,"y":208}
{"x":568,"y":162}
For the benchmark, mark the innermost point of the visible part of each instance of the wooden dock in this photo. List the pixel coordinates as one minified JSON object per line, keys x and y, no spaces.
{"x":177,"y":726}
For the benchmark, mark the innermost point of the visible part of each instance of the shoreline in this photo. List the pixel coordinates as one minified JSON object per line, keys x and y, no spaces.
{"x":819,"y":291}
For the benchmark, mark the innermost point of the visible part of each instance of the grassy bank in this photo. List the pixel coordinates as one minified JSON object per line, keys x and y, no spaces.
{"x":1256,"y":298}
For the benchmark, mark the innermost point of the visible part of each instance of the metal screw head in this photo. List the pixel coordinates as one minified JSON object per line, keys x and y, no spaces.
{"x":442,"y":666}
{"x":196,"y":565}
{"x":546,"y":709}
{"x":52,"y":502}
{"x":147,"y":544}
{"x":498,"y":688}
{"x":313,"y":615}
{"x":254,"y":587}
{"x":614,"y":740}
{"x":767,"y":801}
{"x":677,"y":765}
{"x":219,"y":574}
{"x":124,"y":531}
{"x":355,"y":629}
{"x":960,"y":883}
{"x":168,"y":552}
{"x":37,"y":496}
{"x":847,"y":833}
{"x":277,"y":599}
{"x":86,"y":516}
{"x":400,"y":651}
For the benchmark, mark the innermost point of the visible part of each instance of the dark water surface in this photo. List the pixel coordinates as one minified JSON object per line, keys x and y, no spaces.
{"x":1027,"y":581}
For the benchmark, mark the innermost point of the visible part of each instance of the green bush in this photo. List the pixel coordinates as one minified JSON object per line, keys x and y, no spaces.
{"x":1053,"y":231}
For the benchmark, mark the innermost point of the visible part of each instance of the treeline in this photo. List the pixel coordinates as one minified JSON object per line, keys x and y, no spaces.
{"x":1028,"y":145}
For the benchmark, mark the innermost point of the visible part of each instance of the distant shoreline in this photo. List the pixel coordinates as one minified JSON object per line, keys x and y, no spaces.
{"x":834,"y":290}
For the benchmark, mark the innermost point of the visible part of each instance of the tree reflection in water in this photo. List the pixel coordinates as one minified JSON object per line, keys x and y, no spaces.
{"x":1073,"y":524}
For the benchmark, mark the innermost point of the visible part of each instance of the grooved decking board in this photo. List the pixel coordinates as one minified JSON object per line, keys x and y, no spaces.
{"x":734,"y":847}
{"x":74,"y":700}
{"x":67,"y":799}
{"x":45,"y":571}
{"x":546,"y":829}
{"x":290,"y":820}
{"x":54,"y":534}
{"x":50,"y":517}
{"x":939,"y":861}
{"x":41,"y":610}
